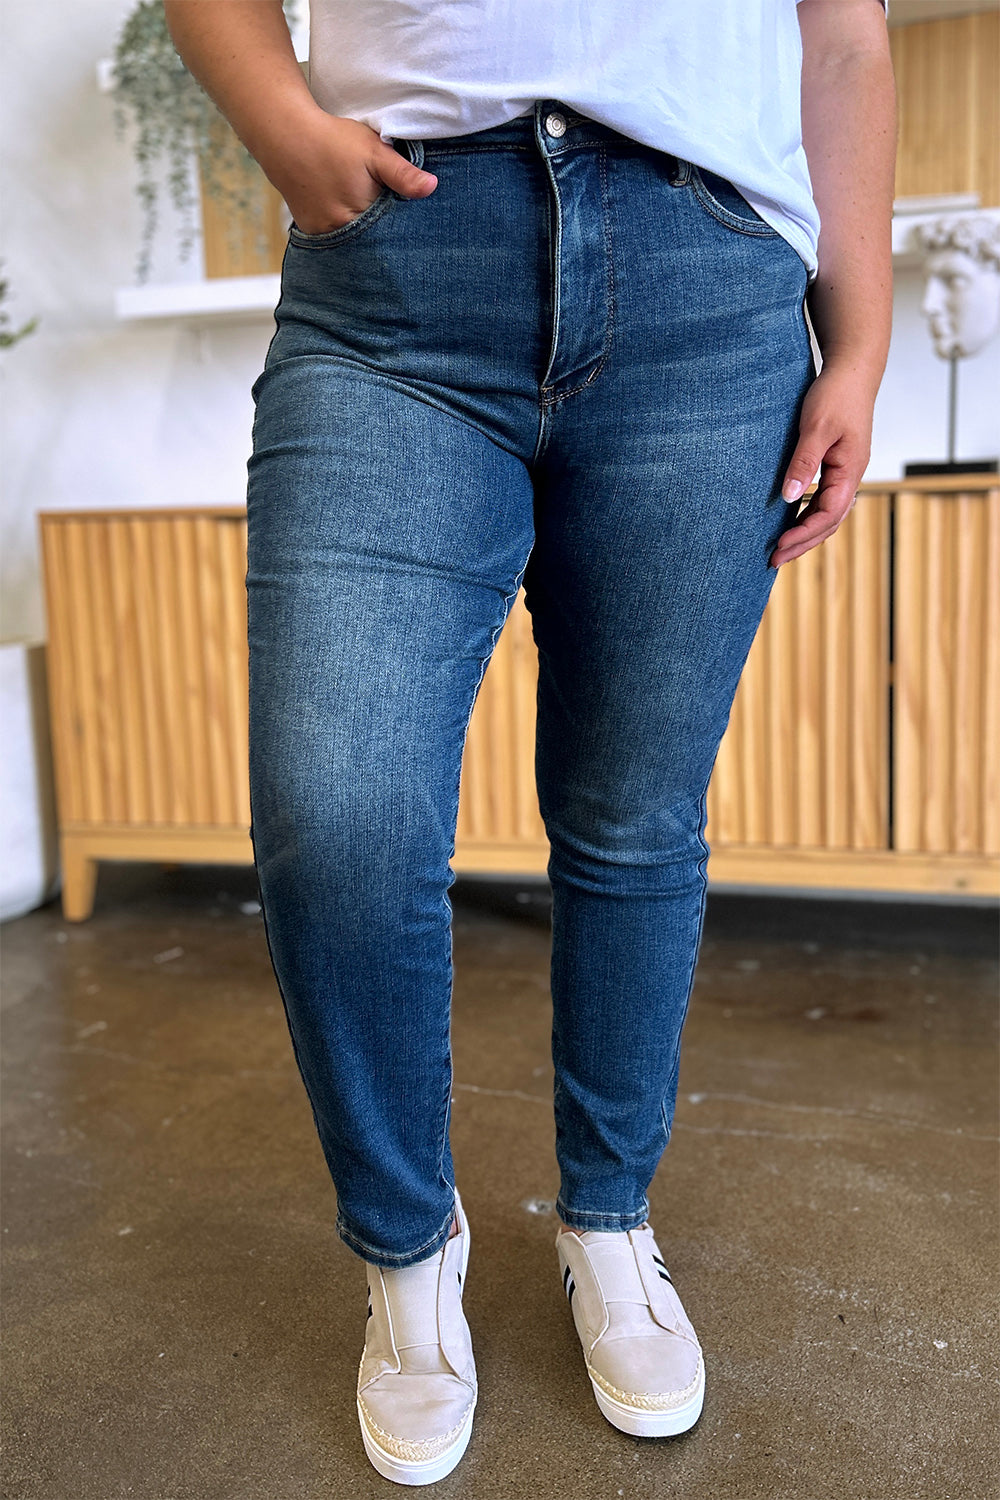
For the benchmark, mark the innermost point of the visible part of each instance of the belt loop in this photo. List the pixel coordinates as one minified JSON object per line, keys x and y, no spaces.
{"x":540,"y":110}
{"x":415,"y":151}
{"x":679,"y":170}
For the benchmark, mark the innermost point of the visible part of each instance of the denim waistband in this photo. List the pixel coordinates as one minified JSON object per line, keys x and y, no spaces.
{"x":525,"y":132}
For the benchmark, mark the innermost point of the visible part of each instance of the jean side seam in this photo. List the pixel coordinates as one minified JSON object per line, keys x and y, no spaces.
{"x":696,"y":944}
{"x":449,"y":1089}
{"x":296,"y":1051}
{"x":508,"y":600}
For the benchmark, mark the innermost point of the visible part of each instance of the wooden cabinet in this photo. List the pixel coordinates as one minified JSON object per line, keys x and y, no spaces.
{"x":948,"y":101}
{"x":147,"y":675}
{"x":861,"y":750}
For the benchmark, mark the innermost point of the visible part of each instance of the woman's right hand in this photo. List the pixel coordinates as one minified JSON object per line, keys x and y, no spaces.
{"x":328,"y":169}
{"x":335,"y":169}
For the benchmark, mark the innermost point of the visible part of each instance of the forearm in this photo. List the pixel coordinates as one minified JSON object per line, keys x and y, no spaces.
{"x":241,"y":53}
{"x":849,"y":134}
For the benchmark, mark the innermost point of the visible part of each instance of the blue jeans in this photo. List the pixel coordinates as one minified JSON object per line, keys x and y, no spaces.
{"x":579,"y":365}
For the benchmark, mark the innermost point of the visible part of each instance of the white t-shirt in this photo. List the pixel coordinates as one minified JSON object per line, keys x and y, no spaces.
{"x":716,"y":82}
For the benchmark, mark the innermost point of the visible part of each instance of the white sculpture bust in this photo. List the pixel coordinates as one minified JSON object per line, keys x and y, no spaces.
{"x":962,"y":293}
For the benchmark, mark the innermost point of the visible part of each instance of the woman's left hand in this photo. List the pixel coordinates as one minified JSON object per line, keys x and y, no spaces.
{"x":835,"y":433}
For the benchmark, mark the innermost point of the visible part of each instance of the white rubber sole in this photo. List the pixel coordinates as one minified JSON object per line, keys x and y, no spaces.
{"x":428,"y":1470}
{"x":639,"y":1422}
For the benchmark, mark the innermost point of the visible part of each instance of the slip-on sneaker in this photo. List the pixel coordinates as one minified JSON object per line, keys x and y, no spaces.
{"x":643,"y":1357}
{"x":417,"y":1381}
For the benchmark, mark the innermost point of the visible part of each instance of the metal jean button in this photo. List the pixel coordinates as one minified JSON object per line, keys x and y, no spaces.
{"x":555,"y":124}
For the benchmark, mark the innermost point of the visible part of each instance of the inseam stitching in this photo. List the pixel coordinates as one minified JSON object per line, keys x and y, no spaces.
{"x":494,"y":637}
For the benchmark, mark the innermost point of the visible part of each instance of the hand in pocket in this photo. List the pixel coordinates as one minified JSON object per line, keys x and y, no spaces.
{"x":337,"y":170}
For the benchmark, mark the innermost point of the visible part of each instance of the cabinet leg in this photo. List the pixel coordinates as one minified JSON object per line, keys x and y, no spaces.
{"x":79,"y":880}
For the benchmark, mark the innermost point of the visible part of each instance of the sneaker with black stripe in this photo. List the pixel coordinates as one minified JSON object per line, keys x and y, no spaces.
{"x":642,"y":1355}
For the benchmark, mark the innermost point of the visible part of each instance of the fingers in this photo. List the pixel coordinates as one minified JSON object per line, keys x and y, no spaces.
{"x":803,"y":467}
{"x":835,"y":440}
{"x":402,"y":176}
{"x":818,"y":521}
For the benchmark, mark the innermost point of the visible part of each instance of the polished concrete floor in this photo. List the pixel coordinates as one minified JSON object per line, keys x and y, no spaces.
{"x":182,"y":1323}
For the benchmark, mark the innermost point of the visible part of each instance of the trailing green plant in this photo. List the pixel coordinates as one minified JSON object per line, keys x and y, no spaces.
{"x":10,"y":336}
{"x":176,"y":123}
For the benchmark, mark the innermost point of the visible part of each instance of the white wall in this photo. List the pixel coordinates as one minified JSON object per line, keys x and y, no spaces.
{"x":100,"y":413}
{"x":95,"y":412}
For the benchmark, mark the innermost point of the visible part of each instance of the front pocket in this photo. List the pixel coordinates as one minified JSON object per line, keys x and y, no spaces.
{"x":727,"y":204}
{"x":347,"y":231}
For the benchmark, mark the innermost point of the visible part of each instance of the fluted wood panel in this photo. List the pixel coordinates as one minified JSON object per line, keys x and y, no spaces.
{"x":947,"y":634}
{"x":948,"y":93}
{"x":147,"y":668}
{"x":804,"y":761}
{"x":147,"y":664}
{"x":498,"y":802}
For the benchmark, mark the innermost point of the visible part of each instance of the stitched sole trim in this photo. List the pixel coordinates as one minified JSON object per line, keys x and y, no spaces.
{"x":635,"y":1414}
{"x":414,"y":1462}
{"x":658,"y":1401}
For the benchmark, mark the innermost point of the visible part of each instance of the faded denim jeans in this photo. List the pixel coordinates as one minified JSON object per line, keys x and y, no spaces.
{"x":577,"y":365}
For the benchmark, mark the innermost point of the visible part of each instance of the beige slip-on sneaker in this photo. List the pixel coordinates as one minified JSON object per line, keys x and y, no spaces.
{"x":643,"y":1357}
{"x":417,"y":1380}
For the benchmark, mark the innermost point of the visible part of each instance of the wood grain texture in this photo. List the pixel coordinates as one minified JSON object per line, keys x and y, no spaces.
{"x":237,"y":244}
{"x":947,"y":673}
{"x":148,"y":660}
{"x":845,"y":763}
{"x":803,"y":763}
{"x":948,"y":104}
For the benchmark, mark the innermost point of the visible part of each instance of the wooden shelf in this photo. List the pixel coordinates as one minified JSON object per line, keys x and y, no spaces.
{"x":220,"y":299}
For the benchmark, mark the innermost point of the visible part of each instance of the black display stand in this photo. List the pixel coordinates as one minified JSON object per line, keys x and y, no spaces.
{"x":970,"y":466}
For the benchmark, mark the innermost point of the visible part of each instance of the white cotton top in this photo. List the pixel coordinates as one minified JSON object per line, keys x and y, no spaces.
{"x":716,"y":82}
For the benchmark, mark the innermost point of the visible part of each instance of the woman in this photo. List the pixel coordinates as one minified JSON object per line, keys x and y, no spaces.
{"x":542,"y":321}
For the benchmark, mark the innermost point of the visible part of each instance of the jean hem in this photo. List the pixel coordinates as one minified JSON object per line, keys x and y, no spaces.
{"x":604,"y":1223}
{"x":387,"y":1260}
